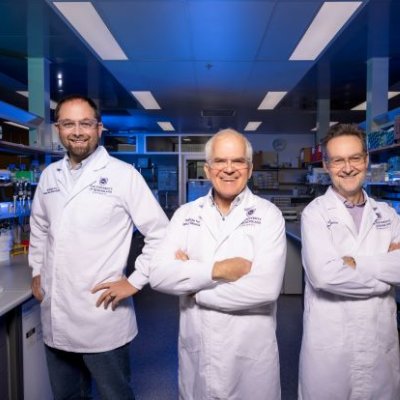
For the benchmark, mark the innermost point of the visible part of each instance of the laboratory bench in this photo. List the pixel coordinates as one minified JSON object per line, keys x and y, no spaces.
{"x":23,"y":375}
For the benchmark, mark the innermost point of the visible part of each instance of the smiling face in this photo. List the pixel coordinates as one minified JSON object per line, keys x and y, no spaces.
{"x":347,"y":166}
{"x":79,"y":142}
{"x":228,"y":169}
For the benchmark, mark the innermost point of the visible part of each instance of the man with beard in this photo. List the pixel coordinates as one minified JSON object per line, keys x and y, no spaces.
{"x":350,"y":346}
{"x":83,"y":214}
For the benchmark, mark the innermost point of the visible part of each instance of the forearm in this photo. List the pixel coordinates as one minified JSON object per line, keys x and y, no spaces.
{"x":250,"y":291}
{"x":383,"y":267}
{"x":180,"y":277}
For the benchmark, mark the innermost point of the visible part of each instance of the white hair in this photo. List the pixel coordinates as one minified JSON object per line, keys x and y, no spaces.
{"x":209,"y":145}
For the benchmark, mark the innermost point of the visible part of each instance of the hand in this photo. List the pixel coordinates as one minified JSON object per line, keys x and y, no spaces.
{"x":181,"y":255}
{"x":37,"y":288}
{"x":349,"y":261}
{"x":231,"y":269}
{"x":394,"y":246}
{"x":114,"y":292}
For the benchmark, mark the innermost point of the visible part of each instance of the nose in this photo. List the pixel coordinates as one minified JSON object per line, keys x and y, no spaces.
{"x":347,"y":166}
{"x":229,"y":168}
{"x":76,"y":129}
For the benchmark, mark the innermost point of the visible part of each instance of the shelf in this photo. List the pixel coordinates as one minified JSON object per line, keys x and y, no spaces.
{"x":391,"y":148}
{"x":392,"y":183}
{"x":21,"y":149}
{"x":281,"y":169}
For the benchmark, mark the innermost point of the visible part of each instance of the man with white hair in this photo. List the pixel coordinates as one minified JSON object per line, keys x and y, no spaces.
{"x":224,"y":255}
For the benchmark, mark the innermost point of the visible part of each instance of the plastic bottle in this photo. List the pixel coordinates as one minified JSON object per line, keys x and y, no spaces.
{"x":36,"y":170}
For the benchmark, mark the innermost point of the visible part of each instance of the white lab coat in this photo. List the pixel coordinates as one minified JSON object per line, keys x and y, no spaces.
{"x":227,"y":341}
{"x":81,"y":237}
{"x":350,"y":345}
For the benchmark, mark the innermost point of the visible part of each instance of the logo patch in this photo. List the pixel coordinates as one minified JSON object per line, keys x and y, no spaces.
{"x":103,"y":180}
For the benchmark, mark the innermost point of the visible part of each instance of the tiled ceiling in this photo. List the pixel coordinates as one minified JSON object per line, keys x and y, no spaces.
{"x":196,"y":55}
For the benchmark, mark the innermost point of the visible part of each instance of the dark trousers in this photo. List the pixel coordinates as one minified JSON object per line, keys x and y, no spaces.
{"x":71,"y":374}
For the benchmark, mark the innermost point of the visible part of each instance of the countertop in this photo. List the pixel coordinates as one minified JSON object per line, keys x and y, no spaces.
{"x":15,"y":280}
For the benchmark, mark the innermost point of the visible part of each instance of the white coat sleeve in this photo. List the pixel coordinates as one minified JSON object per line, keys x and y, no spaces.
{"x":384,"y":267}
{"x":262,"y":285}
{"x":173,"y":276}
{"x":149,"y":218}
{"x":324,"y":266}
{"x":39,"y":226}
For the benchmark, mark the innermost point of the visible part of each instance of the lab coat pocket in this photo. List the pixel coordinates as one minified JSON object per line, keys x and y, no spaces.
{"x":387,"y":325}
{"x":189,"y":325}
{"x":324,"y":324}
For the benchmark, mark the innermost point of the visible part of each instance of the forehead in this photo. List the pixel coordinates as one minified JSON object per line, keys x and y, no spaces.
{"x":229,"y":146}
{"x":343,"y":146}
{"x":76,"y":109}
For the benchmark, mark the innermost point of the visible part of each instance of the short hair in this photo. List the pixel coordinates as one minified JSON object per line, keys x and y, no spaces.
{"x":343,"y":130}
{"x":209,"y":145}
{"x":73,"y":97}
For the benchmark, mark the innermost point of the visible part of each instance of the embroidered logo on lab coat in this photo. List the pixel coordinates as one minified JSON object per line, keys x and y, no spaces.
{"x":191,"y":221}
{"x":101,"y":188}
{"x":51,"y":190}
{"x":382,"y":223}
{"x":330,"y":223}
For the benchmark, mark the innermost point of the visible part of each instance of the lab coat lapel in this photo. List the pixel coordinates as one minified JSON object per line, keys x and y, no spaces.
{"x":208,"y":216}
{"x":339,"y":212}
{"x":89,"y":174}
{"x":370,"y":215}
{"x":235,"y":218}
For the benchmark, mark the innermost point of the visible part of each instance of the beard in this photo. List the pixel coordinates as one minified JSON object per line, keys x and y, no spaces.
{"x":80,"y":151}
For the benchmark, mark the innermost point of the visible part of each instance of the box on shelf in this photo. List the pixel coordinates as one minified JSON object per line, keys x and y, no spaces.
{"x":27,"y":175}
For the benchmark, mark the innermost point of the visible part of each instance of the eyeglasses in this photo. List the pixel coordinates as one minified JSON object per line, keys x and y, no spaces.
{"x":84,"y":124}
{"x":338,"y":162}
{"x":222,"y":163}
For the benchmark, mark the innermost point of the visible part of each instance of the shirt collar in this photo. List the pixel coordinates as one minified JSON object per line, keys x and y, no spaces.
{"x":83,"y":163}
{"x":235,"y":202}
{"x":348,"y":203}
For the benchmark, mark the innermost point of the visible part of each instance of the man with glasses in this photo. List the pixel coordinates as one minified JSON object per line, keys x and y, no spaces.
{"x":351,"y":259}
{"x":224,"y":255}
{"x":83,"y":214}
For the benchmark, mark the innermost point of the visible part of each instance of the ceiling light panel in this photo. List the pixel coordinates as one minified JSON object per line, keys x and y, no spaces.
{"x":363,"y":106}
{"x":271,"y":100}
{"x":252,"y":125}
{"x":331,"y":17}
{"x":85,"y":19}
{"x":146,"y":99}
{"x":166,"y":126}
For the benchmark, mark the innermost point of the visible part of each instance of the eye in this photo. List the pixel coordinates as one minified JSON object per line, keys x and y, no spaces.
{"x":86,"y":124}
{"x":239,"y":162}
{"x":68,"y":124}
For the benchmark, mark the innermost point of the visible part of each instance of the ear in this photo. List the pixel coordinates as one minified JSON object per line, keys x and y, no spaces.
{"x":250,"y":172}
{"x":325,"y":165}
{"x":367,"y":161}
{"x":206,"y":169}
{"x":99,"y":130}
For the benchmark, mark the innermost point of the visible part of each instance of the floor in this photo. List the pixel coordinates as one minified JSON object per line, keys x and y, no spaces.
{"x":154,"y":353}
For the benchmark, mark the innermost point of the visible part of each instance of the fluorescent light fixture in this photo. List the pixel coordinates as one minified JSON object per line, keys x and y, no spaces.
{"x":85,"y":19}
{"x":146,"y":99}
{"x":327,"y":23}
{"x":17,"y":125}
{"x":331,"y":123}
{"x":252,"y":125}
{"x":271,"y":100}
{"x":166,"y":126}
{"x":363,"y":106}
{"x":186,"y":139}
{"x":25,"y":93}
